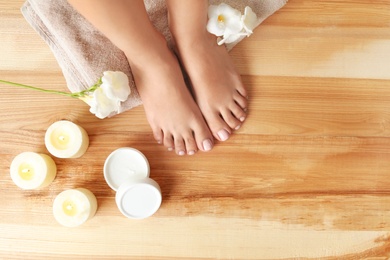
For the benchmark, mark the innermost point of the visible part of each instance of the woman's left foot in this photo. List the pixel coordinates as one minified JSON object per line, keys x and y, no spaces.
{"x":216,"y":84}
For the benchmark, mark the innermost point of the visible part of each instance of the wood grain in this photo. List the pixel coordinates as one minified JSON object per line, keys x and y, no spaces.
{"x":305,"y":177}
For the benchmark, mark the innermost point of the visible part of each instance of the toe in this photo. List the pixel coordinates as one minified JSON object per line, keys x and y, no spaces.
{"x":180,"y":147}
{"x":206,"y":145}
{"x":218,"y":127}
{"x":168,"y":142}
{"x":223,"y":135}
{"x":238,"y":112}
{"x":230,"y":119}
{"x":240,"y":88}
{"x":203,"y":138}
{"x":158,"y":135}
{"x":242,"y":101}
{"x":191,"y":146}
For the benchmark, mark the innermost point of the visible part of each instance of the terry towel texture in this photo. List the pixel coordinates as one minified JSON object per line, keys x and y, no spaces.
{"x":84,"y":53}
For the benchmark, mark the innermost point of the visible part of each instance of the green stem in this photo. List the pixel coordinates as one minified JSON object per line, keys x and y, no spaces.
{"x":73,"y":95}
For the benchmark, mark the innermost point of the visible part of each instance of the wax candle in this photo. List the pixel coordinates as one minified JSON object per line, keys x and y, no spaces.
{"x":73,"y":207}
{"x":126,"y":170}
{"x":31,"y":170}
{"x":64,"y":139}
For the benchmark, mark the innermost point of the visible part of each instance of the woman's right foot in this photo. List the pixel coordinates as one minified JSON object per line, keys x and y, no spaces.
{"x":172,"y":113}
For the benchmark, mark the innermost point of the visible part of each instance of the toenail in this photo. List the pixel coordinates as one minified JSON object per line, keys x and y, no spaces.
{"x":223,"y":135}
{"x":191,"y":152}
{"x":170,"y":149}
{"x":237,"y":127}
{"x":207,"y":145}
{"x":181,"y":153}
{"x":242,"y":119}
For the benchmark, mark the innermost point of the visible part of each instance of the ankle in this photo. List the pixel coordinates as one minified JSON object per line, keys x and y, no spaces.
{"x":150,"y":50}
{"x":193,"y":40}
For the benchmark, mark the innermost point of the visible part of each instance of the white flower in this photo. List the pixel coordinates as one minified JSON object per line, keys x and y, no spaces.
{"x":230,"y":38}
{"x":101,"y":105}
{"x":224,"y":21}
{"x":249,"y":20}
{"x":105,"y":97}
{"x":228,"y":23}
{"x":115,"y":85}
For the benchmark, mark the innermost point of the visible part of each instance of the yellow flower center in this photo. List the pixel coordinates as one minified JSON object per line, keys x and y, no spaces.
{"x":221,"y":18}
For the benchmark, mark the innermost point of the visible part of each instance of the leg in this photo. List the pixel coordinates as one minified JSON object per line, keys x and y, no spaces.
{"x":217,"y":86}
{"x":172,"y":113}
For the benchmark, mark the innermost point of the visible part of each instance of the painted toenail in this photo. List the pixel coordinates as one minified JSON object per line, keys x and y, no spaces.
{"x":191,"y":152}
{"x":242,"y":119}
{"x":181,"y":153}
{"x":237,"y":127}
{"x":223,"y":135}
{"x":207,"y":145}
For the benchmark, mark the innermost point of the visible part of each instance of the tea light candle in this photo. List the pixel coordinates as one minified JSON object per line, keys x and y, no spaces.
{"x":126,"y":171}
{"x":31,"y":170}
{"x":64,"y":139}
{"x":73,"y":207}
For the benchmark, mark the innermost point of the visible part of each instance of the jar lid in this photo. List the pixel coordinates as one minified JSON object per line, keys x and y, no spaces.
{"x":138,"y":199}
{"x":123,"y":164}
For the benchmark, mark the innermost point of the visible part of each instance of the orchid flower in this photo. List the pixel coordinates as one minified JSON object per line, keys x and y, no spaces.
{"x":104,"y":97}
{"x":115,"y":85}
{"x":224,"y":21}
{"x":101,"y":105}
{"x":228,"y":24}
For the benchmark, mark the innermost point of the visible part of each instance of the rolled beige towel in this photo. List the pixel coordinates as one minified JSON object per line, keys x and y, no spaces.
{"x":84,"y":53}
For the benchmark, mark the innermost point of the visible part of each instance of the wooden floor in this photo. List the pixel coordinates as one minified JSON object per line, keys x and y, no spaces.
{"x":307,"y":176}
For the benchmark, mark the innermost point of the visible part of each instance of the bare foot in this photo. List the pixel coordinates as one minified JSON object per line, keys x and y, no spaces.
{"x":172,"y":113}
{"x":217,"y":86}
{"x":175,"y":118}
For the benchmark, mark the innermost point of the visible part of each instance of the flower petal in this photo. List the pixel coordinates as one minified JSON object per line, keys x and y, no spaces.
{"x":115,"y":84}
{"x":229,"y":38}
{"x":101,"y":105}
{"x":249,"y":20}
{"x":232,"y":18}
{"x":228,"y":11}
{"x":212,"y":11}
{"x":215,"y":28}
{"x":223,"y":19}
